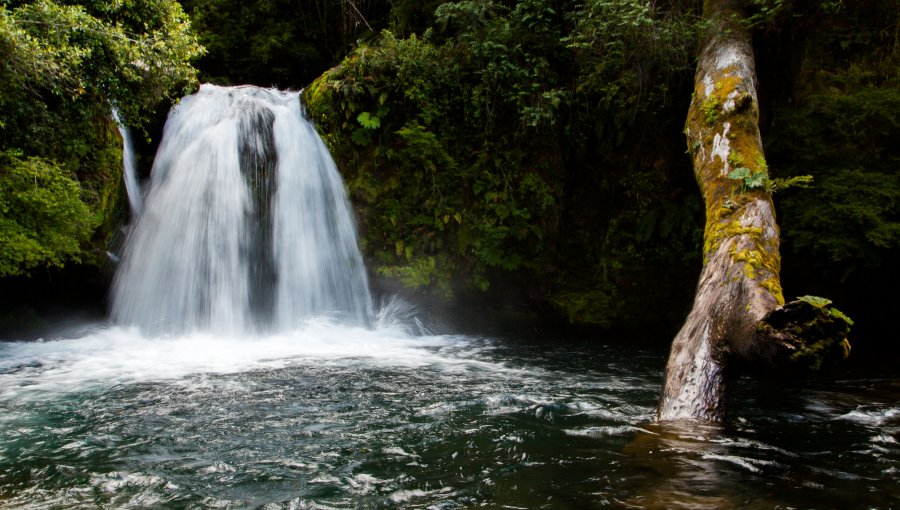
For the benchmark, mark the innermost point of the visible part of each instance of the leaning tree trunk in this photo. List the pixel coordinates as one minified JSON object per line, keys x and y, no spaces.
{"x":739,"y":288}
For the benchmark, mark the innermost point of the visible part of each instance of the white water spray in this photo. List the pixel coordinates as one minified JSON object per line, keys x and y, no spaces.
{"x":246,"y":225}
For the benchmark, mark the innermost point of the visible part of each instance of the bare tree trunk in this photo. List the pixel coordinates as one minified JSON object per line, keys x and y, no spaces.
{"x":739,"y":285}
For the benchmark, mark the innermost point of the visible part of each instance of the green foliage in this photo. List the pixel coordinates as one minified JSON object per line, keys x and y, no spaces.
{"x":837,"y":314}
{"x":765,"y":12}
{"x":43,"y":219}
{"x":749,"y":179}
{"x":818,"y":302}
{"x":711,"y":109}
{"x":62,"y":68}
{"x":133,"y":53}
{"x":852,"y":217}
{"x":368,"y":121}
{"x":598,"y":307}
{"x":797,"y":181}
{"x":445,"y":175}
{"x":412,"y":16}
{"x":629,"y":54}
{"x":421,"y":272}
{"x":759,"y":179}
{"x":460,"y":143}
{"x":283,"y":43}
{"x":845,"y":127}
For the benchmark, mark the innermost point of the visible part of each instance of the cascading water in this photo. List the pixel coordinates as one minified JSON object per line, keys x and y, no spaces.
{"x":129,"y":167}
{"x":246,"y":224}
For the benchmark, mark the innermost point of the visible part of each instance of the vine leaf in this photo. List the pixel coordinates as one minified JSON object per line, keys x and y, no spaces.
{"x":368,"y":121}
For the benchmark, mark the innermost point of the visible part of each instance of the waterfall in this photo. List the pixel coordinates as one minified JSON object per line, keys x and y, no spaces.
{"x":246,"y":225}
{"x":129,"y":167}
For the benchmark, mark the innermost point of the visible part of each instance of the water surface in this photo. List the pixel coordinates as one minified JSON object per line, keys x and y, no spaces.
{"x":328,"y":416}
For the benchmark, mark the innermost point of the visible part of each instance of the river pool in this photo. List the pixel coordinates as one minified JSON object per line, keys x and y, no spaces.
{"x":329,"y":416}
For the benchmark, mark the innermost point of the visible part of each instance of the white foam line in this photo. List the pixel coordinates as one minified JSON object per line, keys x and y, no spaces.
{"x":748,"y":464}
{"x":116,"y":355}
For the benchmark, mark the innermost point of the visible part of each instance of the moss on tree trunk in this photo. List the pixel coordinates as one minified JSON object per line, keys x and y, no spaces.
{"x":739,"y":285}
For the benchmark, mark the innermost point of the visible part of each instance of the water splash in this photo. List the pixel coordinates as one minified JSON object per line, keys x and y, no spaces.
{"x":116,"y":356}
{"x":246,"y":225}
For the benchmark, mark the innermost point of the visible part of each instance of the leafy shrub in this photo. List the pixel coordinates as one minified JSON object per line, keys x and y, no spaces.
{"x":43,"y":220}
{"x":496,"y":146}
{"x":62,"y":68}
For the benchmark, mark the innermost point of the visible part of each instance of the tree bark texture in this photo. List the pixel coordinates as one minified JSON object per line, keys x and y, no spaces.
{"x":739,"y":284}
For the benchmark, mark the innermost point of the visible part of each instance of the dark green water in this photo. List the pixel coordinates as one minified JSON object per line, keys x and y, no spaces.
{"x":331,"y":417}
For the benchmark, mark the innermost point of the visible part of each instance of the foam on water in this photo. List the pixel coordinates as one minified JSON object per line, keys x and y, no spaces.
{"x":114,"y":355}
{"x":876,"y":417}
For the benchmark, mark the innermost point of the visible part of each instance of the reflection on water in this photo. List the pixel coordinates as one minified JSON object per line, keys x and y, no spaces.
{"x":334,"y":417}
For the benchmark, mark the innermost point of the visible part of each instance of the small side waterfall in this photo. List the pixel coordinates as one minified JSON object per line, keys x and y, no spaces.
{"x":246,"y":225}
{"x":129,"y":171}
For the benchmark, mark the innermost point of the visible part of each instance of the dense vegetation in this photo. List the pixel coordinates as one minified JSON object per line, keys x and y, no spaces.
{"x":283,"y":43}
{"x":836,"y":116}
{"x":63,"y":67}
{"x":539,"y":144}
{"x":521,"y":152}
{"x":526,"y":144}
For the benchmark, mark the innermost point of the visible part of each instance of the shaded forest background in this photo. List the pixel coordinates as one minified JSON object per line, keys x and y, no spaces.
{"x":513,"y":164}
